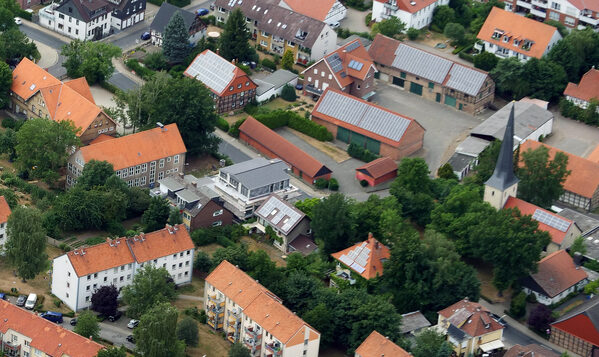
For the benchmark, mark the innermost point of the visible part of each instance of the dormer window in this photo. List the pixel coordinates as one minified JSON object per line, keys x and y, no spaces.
{"x":516,"y":43}
{"x":506,"y":39}
{"x":497,"y":34}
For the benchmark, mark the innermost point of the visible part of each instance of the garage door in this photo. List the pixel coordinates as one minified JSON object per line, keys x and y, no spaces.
{"x":383,"y":76}
{"x":416,"y":88}
{"x":374,"y":146}
{"x":449,"y":100}
{"x":357,"y":139}
{"x":343,"y":134}
{"x":398,"y":81}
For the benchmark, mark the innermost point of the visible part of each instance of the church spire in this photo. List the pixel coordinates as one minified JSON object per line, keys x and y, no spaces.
{"x":503,"y":175}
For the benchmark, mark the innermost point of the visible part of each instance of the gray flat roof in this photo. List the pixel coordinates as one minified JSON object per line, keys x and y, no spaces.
{"x":472,"y":146}
{"x":263,"y":86}
{"x":280,"y":77}
{"x":188,"y":195}
{"x":459,"y":161}
{"x":258,"y":172}
{"x":413,"y":321}
{"x":172,"y":183}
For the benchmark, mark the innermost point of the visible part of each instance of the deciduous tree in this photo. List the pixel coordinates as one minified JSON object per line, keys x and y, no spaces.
{"x":14,"y":45}
{"x":202,"y":262}
{"x":239,"y":350}
{"x":150,"y":286}
{"x":442,"y":15}
{"x":113,"y":352}
{"x":332,"y":223}
{"x":87,"y":325}
{"x":92,"y":60}
{"x":287,"y":61}
{"x":188,"y":332}
{"x":26,"y":242}
{"x":104,"y":300}
{"x":176,"y":39}
{"x":578,"y":246}
{"x":455,"y":32}
{"x":157,"y":214}
{"x":5,"y":83}
{"x":430,"y":343}
{"x":156,"y":336}
{"x":542,"y":179}
{"x":446,"y":172}
{"x":540,"y":318}
{"x":94,"y":173}
{"x":389,"y":27}
{"x":485,"y":61}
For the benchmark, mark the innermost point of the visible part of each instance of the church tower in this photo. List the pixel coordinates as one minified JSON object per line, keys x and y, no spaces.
{"x":503,"y":183}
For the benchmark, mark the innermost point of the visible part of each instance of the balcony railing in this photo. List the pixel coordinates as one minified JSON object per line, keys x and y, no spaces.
{"x":539,"y":3}
{"x":274,"y":348}
{"x":524,"y":4}
{"x":391,"y":6}
{"x":539,"y":12}
{"x":589,"y":20}
{"x":311,"y":89}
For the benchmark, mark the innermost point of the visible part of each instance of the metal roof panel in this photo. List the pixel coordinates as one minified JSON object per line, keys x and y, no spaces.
{"x":421,"y":63}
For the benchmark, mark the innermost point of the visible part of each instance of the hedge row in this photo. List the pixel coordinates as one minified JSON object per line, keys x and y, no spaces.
{"x":279,"y":118}
{"x":234,"y":129}
{"x":361,"y":153}
{"x":222,"y":124}
{"x":275,"y":119}
{"x":140,"y":70}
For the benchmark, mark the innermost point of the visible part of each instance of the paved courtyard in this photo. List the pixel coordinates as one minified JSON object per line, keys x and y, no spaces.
{"x":572,"y":136}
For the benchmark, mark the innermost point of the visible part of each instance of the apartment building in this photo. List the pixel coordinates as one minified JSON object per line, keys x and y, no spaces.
{"x":77,"y":19}
{"x":79,"y":273}
{"x":507,"y":34}
{"x":4,"y":213}
{"x":587,"y":89}
{"x":25,"y":334}
{"x":35,"y":93}
{"x":413,"y":13}
{"x":571,"y":13}
{"x":140,"y":159}
{"x":126,"y":13}
{"x":349,"y":69}
{"x":277,"y":29}
{"x":231,"y":88}
{"x":250,"y":314}
{"x":195,"y":26}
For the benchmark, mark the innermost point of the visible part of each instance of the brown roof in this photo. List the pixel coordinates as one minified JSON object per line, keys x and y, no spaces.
{"x":530,"y":351}
{"x":317,"y":9}
{"x":375,"y":255}
{"x":377,"y":345}
{"x":282,"y":148}
{"x":88,"y":9}
{"x":557,"y":272}
{"x":138,"y":148}
{"x":379,"y":167}
{"x":470,"y":317}
{"x":382,"y":49}
{"x":584,"y":177}
{"x":4,"y":210}
{"x":48,"y":337}
{"x":587,"y":88}
{"x":161,"y":243}
{"x":517,"y":27}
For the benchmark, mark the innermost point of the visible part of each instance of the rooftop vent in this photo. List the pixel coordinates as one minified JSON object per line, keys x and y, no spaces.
{"x":412,"y":3}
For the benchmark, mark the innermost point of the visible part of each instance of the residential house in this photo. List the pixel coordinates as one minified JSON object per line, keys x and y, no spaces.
{"x":327,"y":11}
{"x":431,"y":76}
{"x":377,"y":345}
{"x":193,"y":23}
{"x":232,"y":89}
{"x":413,"y":323}
{"x":291,"y":226}
{"x":589,"y":227}
{"x":272,"y":85}
{"x":244,"y":186}
{"x":470,"y":328}
{"x":250,"y":314}
{"x":35,"y":93}
{"x":588,"y":88}
{"x":140,"y":159}
{"x":277,"y":29}
{"x":557,"y":276}
{"x":4,"y":214}
{"x":413,"y":13}
{"x":199,"y":205}
{"x":377,"y":172}
{"x":531,"y":350}
{"x":274,"y":145}
{"x":507,"y":34}
{"x":571,"y":13}
{"x":578,"y":330}
{"x":349,"y":69}
{"x":354,"y":120}
{"x":126,"y":13}
{"x":79,"y":273}
{"x":27,"y":4}
{"x":82,"y":20}
{"x":562,"y":230}
{"x":25,"y":334}
{"x":365,"y":259}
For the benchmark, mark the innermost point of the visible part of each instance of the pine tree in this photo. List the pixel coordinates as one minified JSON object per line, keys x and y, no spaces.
{"x":234,"y":43}
{"x":176,"y":45}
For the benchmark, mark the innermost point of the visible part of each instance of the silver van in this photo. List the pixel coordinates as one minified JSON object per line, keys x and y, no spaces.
{"x":31,"y":300}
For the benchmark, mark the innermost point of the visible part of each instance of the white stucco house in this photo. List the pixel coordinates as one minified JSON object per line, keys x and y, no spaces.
{"x":416,"y":14}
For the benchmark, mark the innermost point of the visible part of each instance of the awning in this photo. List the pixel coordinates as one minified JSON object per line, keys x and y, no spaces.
{"x":490,"y":346}
{"x":368,"y":95}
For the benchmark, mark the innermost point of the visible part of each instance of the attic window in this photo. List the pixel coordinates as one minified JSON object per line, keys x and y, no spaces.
{"x":284,"y":26}
{"x":269,"y":21}
{"x":32,"y":87}
{"x":254,"y":7}
{"x":497,"y":34}
{"x":265,"y":11}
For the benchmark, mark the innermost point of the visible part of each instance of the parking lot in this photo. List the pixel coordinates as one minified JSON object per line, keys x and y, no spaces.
{"x":572,"y":136}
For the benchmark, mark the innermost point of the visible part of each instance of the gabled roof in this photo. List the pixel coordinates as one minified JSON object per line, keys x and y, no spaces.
{"x":393,"y":53}
{"x":585,"y":4}
{"x":46,"y":336}
{"x":411,"y":6}
{"x":581,"y":322}
{"x":556,"y":226}
{"x":160,"y":243}
{"x":413,"y":321}
{"x":503,"y":174}
{"x":517,"y":27}
{"x":471,"y":318}
{"x":282,"y":148}
{"x":587,"y":88}
{"x":101,"y":138}
{"x":363,"y":117}
{"x":138,"y":148}
{"x":530,"y":351}
{"x":584,"y":176}
{"x":80,"y":86}
{"x":88,"y":10}
{"x":379,"y":167}
{"x":258,"y":172}
{"x":280,"y":214}
{"x":317,"y":9}
{"x":377,"y":345}
{"x":235,"y":284}
{"x":365,"y":258}
{"x":166,"y":12}
{"x":555,"y":274}
{"x":4,"y":210}
{"x":28,"y":78}
{"x":100,"y":257}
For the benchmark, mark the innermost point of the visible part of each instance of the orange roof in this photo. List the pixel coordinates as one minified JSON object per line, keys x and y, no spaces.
{"x":235,"y":284}
{"x":585,"y":4}
{"x":316,"y":9}
{"x":101,"y":138}
{"x":100,"y":257}
{"x":557,"y":235}
{"x":375,"y":256}
{"x":594,"y":155}
{"x":4,"y":210}
{"x":412,"y":6}
{"x":587,"y":88}
{"x":138,"y":148}
{"x":377,"y":345}
{"x":557,"y":273}
{"x":584,"y":177}
{"x":80,"y":86}
{"x":28,"y":78}
{"x":517,"y":27}
{"x":379,"y":167}
{"x":470,"y":317}
{"x":48,"y":337}
{"x":161,"y":243}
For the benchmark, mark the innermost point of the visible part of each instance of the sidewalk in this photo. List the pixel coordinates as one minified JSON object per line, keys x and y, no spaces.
{"x":47,"y":31}
{"x":120,"y":67}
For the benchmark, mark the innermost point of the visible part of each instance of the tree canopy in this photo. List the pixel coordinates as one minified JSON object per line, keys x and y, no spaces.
{"x":150,"y":286}
{"x":234,"y":40}
{"x":157,"y":214}
{"x":92,"y":60}
{"x":5,"y":84}
{"x":187,"y":331}
{"x":389,"y":27}
{"x":332,"y":224}
{"x":104,"y":300}
{"x":156,"y":336}
{"x":175,"y":44}
{"x":14,"y":45}
{"x":87,"y":325}
{"x":26,"y":242}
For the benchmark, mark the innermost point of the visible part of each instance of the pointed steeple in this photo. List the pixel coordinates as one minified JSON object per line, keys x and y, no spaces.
{"x":503,"y":176}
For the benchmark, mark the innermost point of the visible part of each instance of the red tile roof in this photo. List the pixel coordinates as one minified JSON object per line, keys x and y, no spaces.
{"x":580,"y":326}
{"x":138,"y":148}
{"x":587,"y":88}
{"x":382,"y":49}
{"x":4,"y":210}
{"x":557,"y":272}
{"x":80,"y":86}
{"x":316,"y":9}
{"x":100,"y":257}
{"x":470,"y":317}
{"x":530,"y":351}
{"x":376,"y":256}
{"x":518,"y":27}
{"x":406,"y":5}
{"x":594,"y":155}
{"x":377,"y":345}
{"x":379,"y":167}
{"x":584,"y":177}
{"x":161,"y":243}
{"x":557,"y":236}
{"x":585,"y":4}
{"x":235,"y":284}
{"x":101,"y":138}
{"x":45,"y":336}
{"x":282,"y":148}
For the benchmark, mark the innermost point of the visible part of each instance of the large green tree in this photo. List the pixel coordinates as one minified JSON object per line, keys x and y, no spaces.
{"x":87,"y":325}
{"x":430,"y":343}
{"x":442,"y":15}
{"x":7,"y":20}
{"x":510,"y":78}
{"x":455,"y":31}
{"x":26,"y":242}
{"x":104,"y":300}
{"x":413,"y":189}
{"x":156,"y":334}
{"x":113,"y":352}
{"x":92,"y":60}
{"x":485,"y":61}
{"x":5,"y":84}
{"x":156,"y":216}
{"x":175,"y":45}
{"x":239,"y":350}
{"x":547,"y":79}
{"x":150,"y":286}
{"x":14,"y":45}
{"x":389,"y":27}
{"x":234,"y":41}
{"x":187,"y":331}
{"x":542,"y":178}
{"x":576,"y":53}
{"x":332,"y":223}
{"x":94,"y":173}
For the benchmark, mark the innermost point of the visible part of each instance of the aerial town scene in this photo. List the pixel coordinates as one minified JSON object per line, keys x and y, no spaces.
{"x":299,"y":178}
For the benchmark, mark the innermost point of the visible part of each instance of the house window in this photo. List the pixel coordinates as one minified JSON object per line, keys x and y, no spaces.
{"x":161,"y":163}
{"x":144,"y":167}
{"x":176,"y":159}
{"x":431,"y":85}
{"x":217,"y":213}
{"x":553,"y":16}
{"x":402,"y":74}
{"x":137,"y":169}
{"x":168,"y":159}
{"x":230,"y":88}
{"x":217,"y":223}
{"x":131,"y":170}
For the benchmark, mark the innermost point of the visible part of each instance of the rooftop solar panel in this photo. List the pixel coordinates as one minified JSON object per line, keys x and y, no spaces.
{"x":551,"y":220}
{"x":283,"y":212}
{"x":353,"y":64}
{"x":352,"y":46}
{"x":335,"y":62}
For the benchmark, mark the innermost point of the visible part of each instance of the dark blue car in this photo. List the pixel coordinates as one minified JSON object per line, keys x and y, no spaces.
{"x":145,"y":36}
{"x":202,"y":11}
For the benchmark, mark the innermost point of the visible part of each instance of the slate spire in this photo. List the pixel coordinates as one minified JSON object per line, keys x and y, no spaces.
{"x":503,"y":175}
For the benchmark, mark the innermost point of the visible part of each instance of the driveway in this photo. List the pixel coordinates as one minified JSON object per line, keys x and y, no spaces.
{"x":354,"y":20}
{"x":572,"y":136}
{"x":114,"y":332}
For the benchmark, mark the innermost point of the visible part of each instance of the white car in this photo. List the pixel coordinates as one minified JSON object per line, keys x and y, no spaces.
{"x":133,"y":324}
{"x":18,"y":21}
{"x":334,"y":25}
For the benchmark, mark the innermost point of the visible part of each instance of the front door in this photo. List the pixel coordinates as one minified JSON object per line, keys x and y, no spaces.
{"x":438,"y":98}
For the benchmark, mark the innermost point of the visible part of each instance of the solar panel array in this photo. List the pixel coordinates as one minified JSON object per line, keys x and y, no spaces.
{"x":212,"y":70}
{"x":281,"y":212}
{"x":335,"y":62}
{"x":357,"y":259}
{"x":363,"y":115}
{"x":551,"y":220}
{"x":353,"y":64}
{"x":352,"y":46}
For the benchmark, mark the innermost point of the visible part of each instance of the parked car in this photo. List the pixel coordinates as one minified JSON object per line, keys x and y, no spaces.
{"x":53,"y":316}
{"x":31,"y":300}
{"x":21,"y":300}
{"x":202,"y":11}
{"x":299,"y":86}
{"x":146,"y":36}
{"x":3,"y":296}
{"x":133,"y":324}
{"x":18,"y":21}
{"x":73,"y":321}
{"x":334,"y":25}
{"x":131,"y":339}
{"x":117,"y":315}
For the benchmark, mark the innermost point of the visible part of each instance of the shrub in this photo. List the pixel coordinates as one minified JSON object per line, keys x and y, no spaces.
{"x":222,"y":124}
{"x":156,"y":61}
{"x":466,"y":56}
{"x":360,"y":153}
{"x":274,"y":119}
{"x":269,"y":64}
{"x":540,"y":318}
{"x":245,"y":68}
{"x":310,"y":128}
{"x":180,"y":3}
{"x":413,"y":33}
{"x":210,"y":19}
{"x":234,"y":129}
{"x":140,"y":70}
{"x":94,"y":241}
{"x":11,"y":123}
{"x":368,"y":19}
{"x":288,"y":93}
{"x":363,"y":183}
{"x":321,"y":183}
{"x":518,"y":305}
{"x":333,"y":184}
